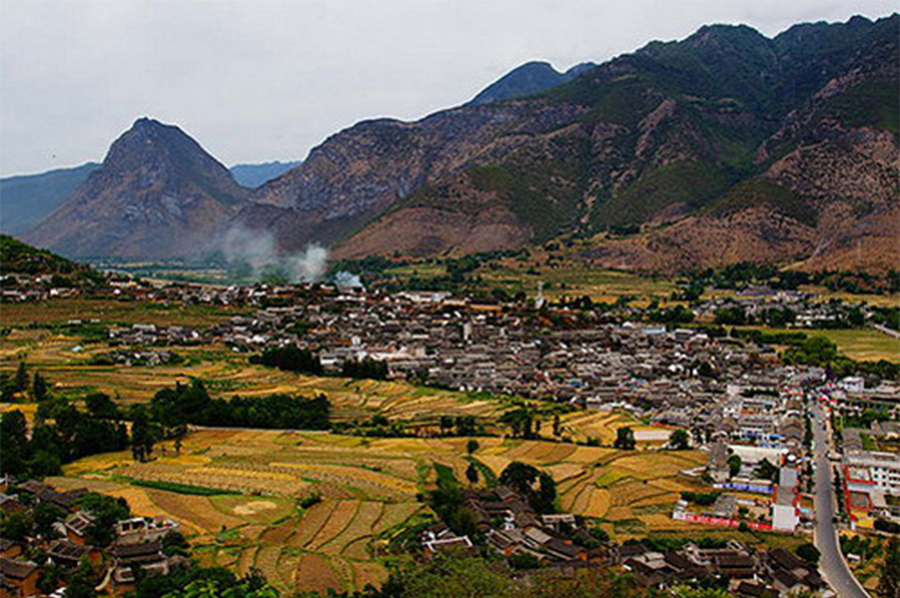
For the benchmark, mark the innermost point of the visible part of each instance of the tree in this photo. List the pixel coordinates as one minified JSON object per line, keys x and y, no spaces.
{"x":99,"y":405}
{"x":471,"y":446}
{"x":472,"y":474}
{"x":49,"y":577}
{"x":45,"y":515}
{"x":449,"y":577}
{"x":105,"y":511}
{"x":734,"y":465}
{"x":15,"y":526}
{"x":808,"y":553}
{"x":20,"y":382}
{"x":889,"y":585}
{"x":44,"y":464}
{"x":141,"y":435}
{"x":81,"y":583}
{"x":557,"y":426}
{"x":520,"y":477}
{"x":39,"y":390}
{"x":545,"y":501}
{"x":520,"y":420}
{"x":624,"y":439}
{"x":680,"y":440}
{"x":13,"y":443}
{"x":766,"y":471}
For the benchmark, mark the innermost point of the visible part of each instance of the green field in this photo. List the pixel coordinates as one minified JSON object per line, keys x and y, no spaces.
{"x":862,"y":344}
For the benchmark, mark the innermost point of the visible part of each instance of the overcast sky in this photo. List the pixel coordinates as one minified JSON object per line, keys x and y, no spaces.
{"x":259,"y":80}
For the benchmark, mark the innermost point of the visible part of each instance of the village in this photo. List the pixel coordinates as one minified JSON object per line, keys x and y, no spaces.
{"x":732,"y":396}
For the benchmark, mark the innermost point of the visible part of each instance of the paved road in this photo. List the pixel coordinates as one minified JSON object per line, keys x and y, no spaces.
{"x":832,"y":563}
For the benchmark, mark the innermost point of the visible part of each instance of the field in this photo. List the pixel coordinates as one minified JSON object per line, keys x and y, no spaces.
{"x":863,"y":344}
{"x":113,"y":310}
{"x":603,"y":425}
{"x":368,"y":487}
{"x":560,"y":278}
{"x":64,"y":361}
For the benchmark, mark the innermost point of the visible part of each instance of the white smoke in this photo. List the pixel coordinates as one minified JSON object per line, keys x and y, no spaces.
{"x":258,"y":250}
{"x":346,"y":279}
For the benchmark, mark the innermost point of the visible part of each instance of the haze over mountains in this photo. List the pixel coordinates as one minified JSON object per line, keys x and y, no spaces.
{"x":722,"y":147}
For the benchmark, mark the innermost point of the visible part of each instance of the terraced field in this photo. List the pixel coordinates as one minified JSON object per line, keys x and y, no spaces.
{"x":368,"y":488}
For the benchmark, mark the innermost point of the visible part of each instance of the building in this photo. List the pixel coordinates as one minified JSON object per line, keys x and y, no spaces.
{"x":870,"y":470}
{"x":18,"y":579}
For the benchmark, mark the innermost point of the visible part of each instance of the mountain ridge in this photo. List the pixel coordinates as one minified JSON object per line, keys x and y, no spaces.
{"x":673,"y":145}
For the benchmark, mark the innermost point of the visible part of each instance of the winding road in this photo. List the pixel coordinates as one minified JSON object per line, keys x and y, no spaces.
{"x":832,"y":563}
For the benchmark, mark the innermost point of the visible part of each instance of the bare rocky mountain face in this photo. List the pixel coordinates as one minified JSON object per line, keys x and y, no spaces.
{"x":158,"y":194}
{"x":723,"y":147}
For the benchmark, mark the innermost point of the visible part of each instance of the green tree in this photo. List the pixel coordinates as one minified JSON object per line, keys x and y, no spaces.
{"x":39,"y":390}
{"x":519,"y":476}
{"x":49,"y":578}
{"x":81,"y":582}
{"x":624,"y":439}
{"x":45,"y":514}
{"x":105,"y":511}
{"x":680,"y":440}
{"x":15,"y":526}
{"x":142,"y":436}
{"x":472,"y":474}
{"x":21,"y":380}
{"x":99,"y":405}
{"x":450,"y":577}
{"x":471,"y":446}
{"x":734,"y":465}
{"x":889,"y":584}
{"x":44,"y":464}
{"x":808,"y":553}
{"x":13,"y":443}
{"x":766,"y":471}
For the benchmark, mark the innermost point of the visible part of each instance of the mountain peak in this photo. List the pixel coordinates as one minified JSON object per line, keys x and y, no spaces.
{"x":527,"y":79}
{"x":158,"y":193}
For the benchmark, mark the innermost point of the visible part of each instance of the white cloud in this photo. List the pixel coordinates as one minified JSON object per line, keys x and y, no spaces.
{"x":263,"y":79}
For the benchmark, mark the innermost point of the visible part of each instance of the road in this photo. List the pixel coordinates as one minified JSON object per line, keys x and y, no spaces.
{"x":832,"y":563}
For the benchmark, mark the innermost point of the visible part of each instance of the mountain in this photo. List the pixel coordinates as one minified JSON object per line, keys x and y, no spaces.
{"x":254,"y":175}
{"x":26,"y":199}
{"x":722,"y":147}
{"x":158,"y":194}
{"x":528,"y":79}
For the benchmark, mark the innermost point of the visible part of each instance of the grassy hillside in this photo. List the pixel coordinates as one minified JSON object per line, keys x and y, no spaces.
{"x":17,"y":257}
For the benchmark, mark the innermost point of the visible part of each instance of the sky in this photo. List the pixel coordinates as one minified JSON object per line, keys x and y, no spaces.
{"x":260,"y":80}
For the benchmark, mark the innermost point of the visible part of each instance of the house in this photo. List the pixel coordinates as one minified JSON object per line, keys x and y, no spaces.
{"x":18,"y":579}
{"x":9,"y":504}
{"x":68,"y":555}
{"x":77,"y":527}
{"x":149,"y":557}
{"x":10,"y":549}
{"x":144,"y":529}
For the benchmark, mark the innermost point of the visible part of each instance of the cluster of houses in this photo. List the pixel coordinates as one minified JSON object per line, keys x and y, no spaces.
{"x":809,"y":312}
{"x":513,"y":528}
{"x":459,"y":344}
{"x":138,"y":545}
{"x":748,"y":573}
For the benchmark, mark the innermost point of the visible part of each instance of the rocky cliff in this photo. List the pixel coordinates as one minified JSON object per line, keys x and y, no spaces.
{"x":158,"y":194}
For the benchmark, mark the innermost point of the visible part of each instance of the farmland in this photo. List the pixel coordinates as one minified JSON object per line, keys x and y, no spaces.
{"x":64,"y":359}
{"x":863,"y":344}
{"x":368,"y":487}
